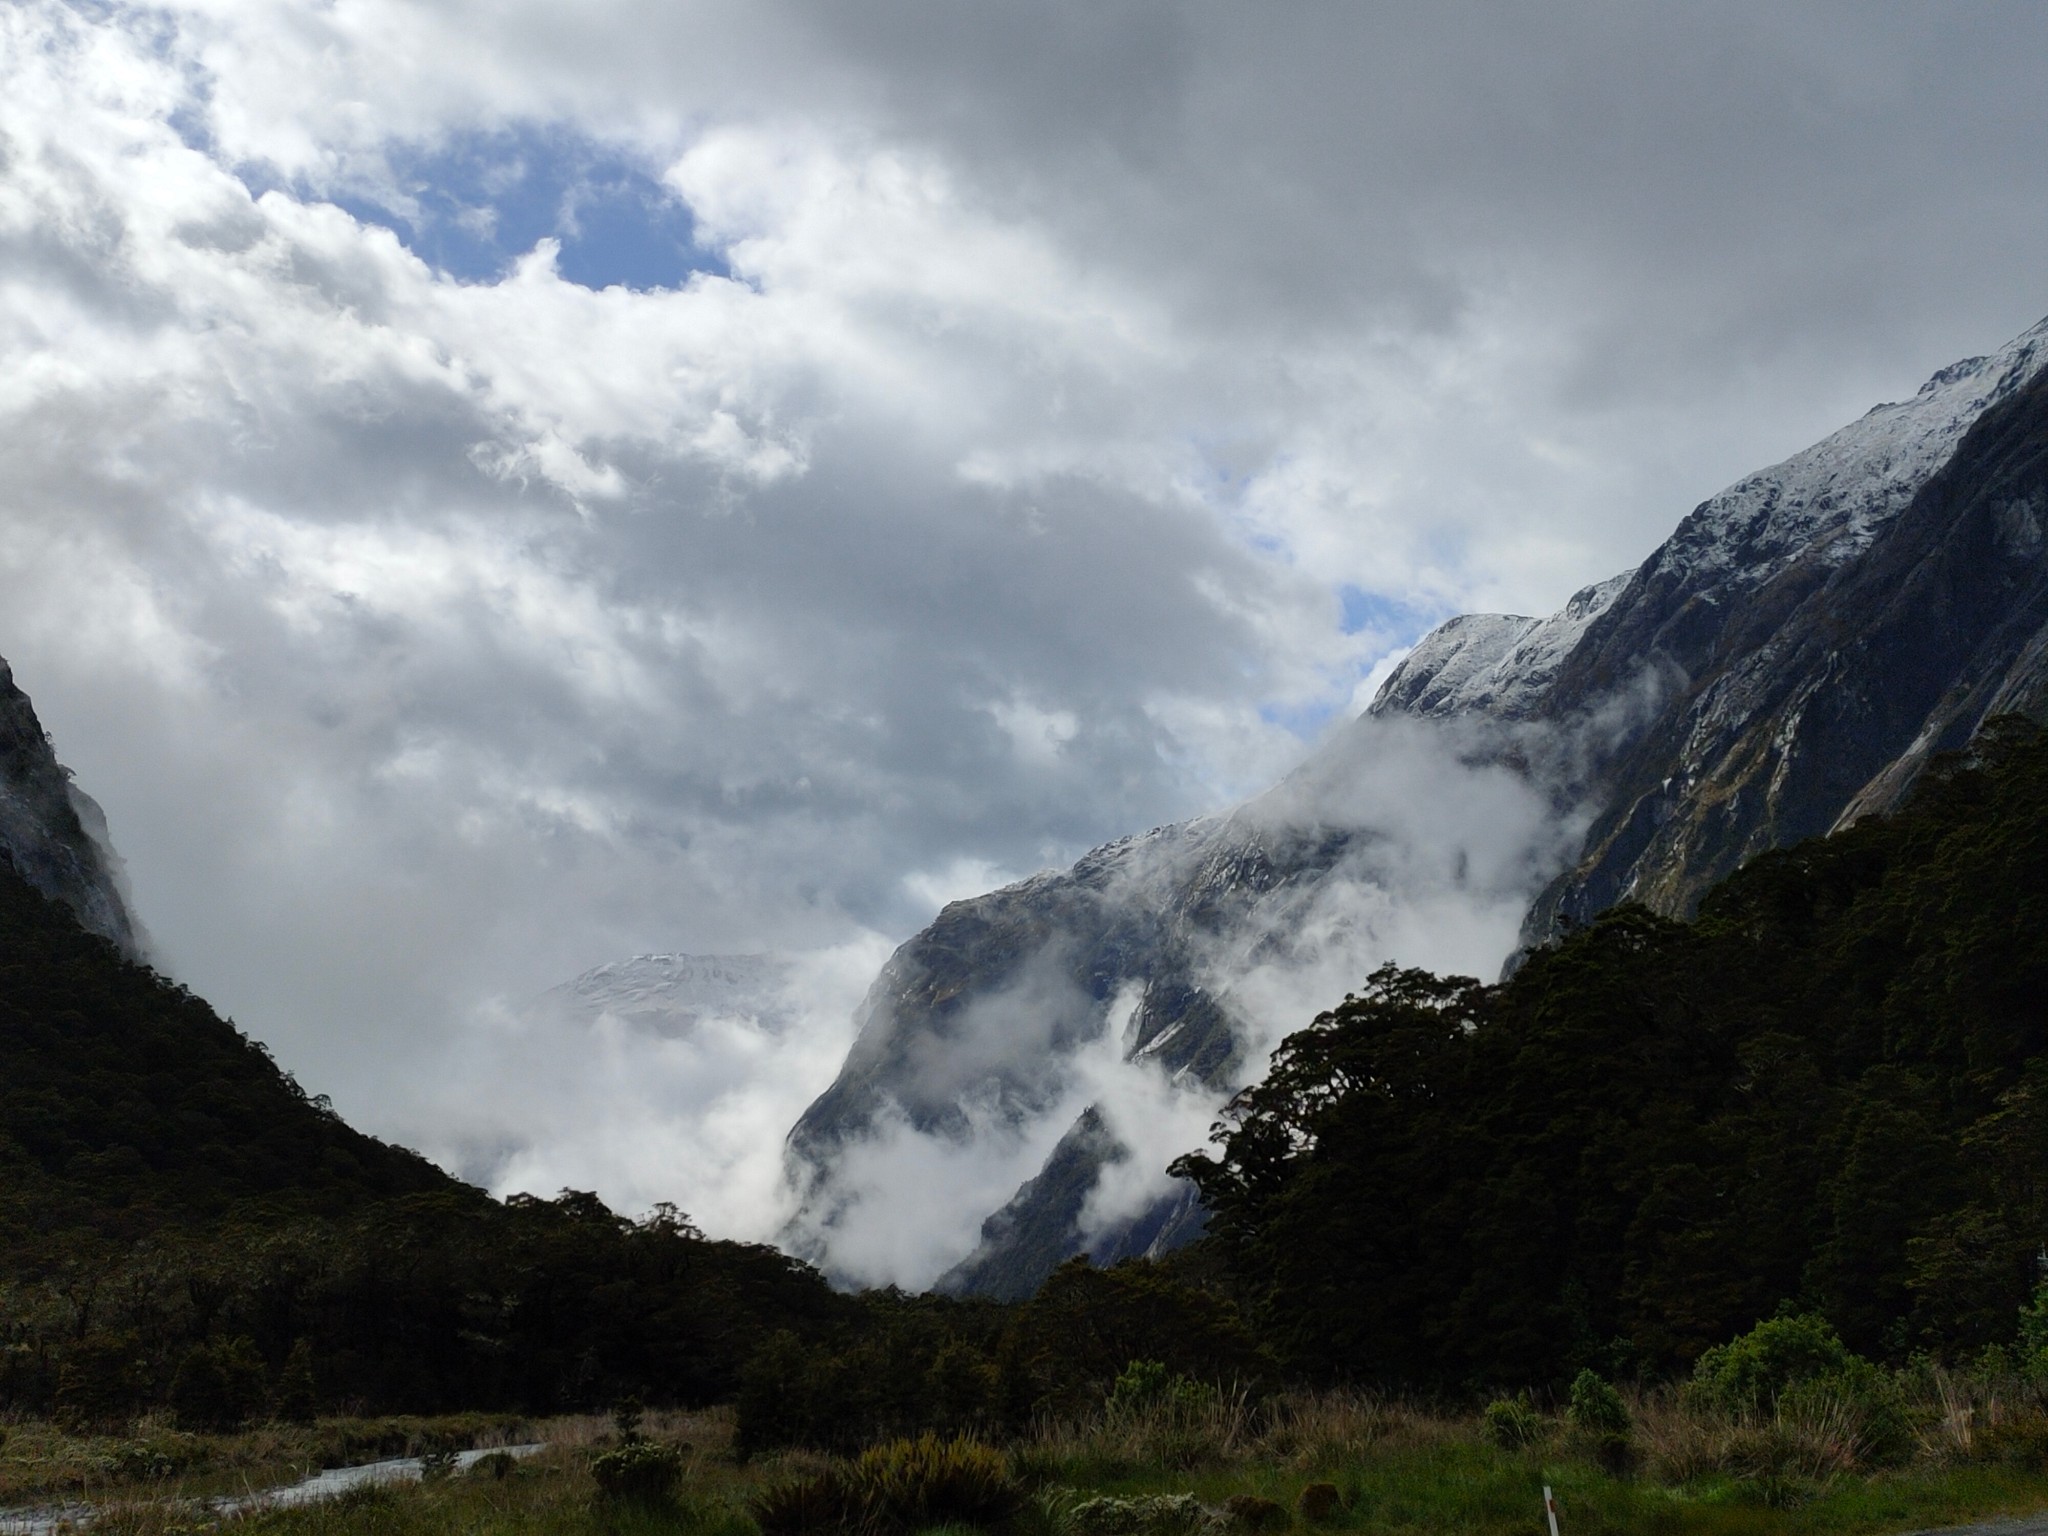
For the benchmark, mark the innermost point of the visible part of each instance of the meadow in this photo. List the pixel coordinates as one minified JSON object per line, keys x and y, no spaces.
{"x":1196,"y":1465}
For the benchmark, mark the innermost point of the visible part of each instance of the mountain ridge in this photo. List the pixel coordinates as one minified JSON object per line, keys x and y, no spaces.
{"x":1670,"y":665}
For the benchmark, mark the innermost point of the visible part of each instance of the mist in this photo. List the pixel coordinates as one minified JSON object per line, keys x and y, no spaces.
{"x":1448,"y":829}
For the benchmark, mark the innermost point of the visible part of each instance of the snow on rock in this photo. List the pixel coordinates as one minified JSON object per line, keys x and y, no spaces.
{"x":1823,"y":505}
{"x":1500,"y":665}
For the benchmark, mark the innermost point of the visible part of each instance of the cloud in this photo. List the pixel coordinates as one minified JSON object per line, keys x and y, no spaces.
{"x":539,"y":1099}
{"x":1000,"y":432}
{"x":1420,"y":842}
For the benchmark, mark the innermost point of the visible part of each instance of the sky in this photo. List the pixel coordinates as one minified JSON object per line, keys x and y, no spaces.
{"x":491,"y":488}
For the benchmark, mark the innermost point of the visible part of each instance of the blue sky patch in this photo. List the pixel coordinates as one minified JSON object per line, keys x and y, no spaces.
{"x":477,"y":203}
{"x":1403,"y":622}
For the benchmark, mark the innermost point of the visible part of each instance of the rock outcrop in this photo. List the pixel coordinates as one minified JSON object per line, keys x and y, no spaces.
{"x":52,"y":831}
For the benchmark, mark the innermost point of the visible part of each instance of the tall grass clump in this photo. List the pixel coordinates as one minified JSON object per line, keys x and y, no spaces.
{"x":902,"y":1486}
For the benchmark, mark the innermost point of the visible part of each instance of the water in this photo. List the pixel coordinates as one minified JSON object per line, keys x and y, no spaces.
{"x":47,"y":1519}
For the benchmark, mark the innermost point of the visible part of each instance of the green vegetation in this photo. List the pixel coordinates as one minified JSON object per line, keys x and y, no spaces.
{"x":1830,"y":1090}
{"x":182,"y":1228}
{"x":1731,"y":1226}
{"x":1330,"y":1462}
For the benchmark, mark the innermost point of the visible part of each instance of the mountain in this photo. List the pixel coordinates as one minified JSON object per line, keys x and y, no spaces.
{"x":126,"y":1103}
{"x":1786,"y":661}
{"x":169,"y":1198}
{"x":1805,"y":641}
{"x":670,"y":995}
{"x":53,"y":832}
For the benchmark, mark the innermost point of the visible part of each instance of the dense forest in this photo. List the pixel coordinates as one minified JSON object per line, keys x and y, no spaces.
{"x":1830,"y":1090}
{"x":179,"y":1220}
{"x":1828,"y":1094}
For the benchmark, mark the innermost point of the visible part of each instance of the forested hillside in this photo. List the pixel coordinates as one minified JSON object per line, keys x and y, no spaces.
{"x":1830,"y":1089}
{"x":126,"y":1103}
{"x":179,"y":1221}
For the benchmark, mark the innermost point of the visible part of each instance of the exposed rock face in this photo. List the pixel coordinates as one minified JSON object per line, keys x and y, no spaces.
{"x":1786,"y":661}
{"x":52,"y":831}
{"x":1809,"y":638}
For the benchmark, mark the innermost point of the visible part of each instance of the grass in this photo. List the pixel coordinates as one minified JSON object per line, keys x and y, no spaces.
{"x":1400,"y":1470}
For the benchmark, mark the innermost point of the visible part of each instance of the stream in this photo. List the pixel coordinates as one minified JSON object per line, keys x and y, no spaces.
{"x":47,"y":1519}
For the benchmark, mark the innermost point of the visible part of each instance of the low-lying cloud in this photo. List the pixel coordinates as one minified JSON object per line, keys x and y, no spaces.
{"x":999,"y":430}
{"x":1445,"y":832}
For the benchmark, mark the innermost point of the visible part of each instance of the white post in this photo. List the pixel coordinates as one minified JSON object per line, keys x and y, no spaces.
{"x":1550,"y":1509}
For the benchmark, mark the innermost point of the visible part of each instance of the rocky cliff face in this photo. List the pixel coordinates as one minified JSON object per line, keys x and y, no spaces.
{"x":1800,"y":646}
{"x":1787,"y":660}
{"x":52,"y":831}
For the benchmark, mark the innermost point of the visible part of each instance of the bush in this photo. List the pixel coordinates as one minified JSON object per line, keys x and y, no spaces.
{"x":2016,"y":1442}
{"x":1318,"y":1502}
{"x":1170,"y":1514}
{"x":639,"y":1470}
{"x":1145,"y":1386}
{"x":1249,"y":1512}
{"x":905,"y":1485}
{"x":1750,"y":1373}
{"x":1600,"y":1423}
{"x":1512,"y":1424}
{"x":806,"y":1506}
{"x":1862,"y":1403}
{"x":98,"y":1382}
{"x":497,"y":1465}
{"x":1596,"y":1407}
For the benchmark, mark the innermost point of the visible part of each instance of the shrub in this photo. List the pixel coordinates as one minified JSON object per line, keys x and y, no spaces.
{"x":1146,"y":1386}
{"x":807,"y":1505}
{"x":1600,"y":1423}
{"x":1511,"y":1423}
{"x":437,"y":1452}
{"x":910,"y":1484}
{"x":1596,"y":1407}
{"x":1750,"y":1373}
{"x":1170,"y":1514}
{"x":960,"y":1387}
{"x":639,"y":1470}
{"x":1861,"y":1404}
{"x":626,"y":1415}
{"x":2017,"y":1442}
{"x":1249,"y":1512}
{"x":1318,"y":1502}
{"x":905,"y":1485}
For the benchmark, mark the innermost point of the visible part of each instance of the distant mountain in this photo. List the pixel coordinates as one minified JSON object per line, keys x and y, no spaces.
{"x":1786,"y":661}
{"x":671,"y":995}
{"x":53,"y":832}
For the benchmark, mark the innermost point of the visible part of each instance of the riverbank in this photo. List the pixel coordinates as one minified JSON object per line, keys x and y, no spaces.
{"x":42,"y":1464}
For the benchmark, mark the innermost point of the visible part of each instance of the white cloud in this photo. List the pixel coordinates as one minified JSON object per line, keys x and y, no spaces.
{"x":429,"y":640}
